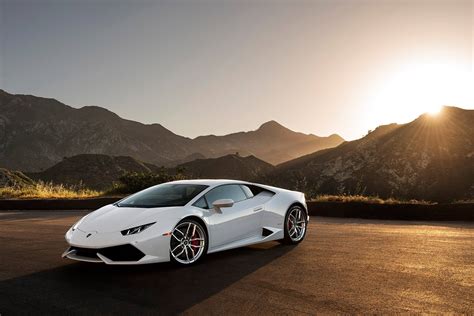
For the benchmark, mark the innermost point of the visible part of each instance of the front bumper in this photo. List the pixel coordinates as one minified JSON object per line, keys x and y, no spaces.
{"x":117,"y":254}
{"x":113,"y":248}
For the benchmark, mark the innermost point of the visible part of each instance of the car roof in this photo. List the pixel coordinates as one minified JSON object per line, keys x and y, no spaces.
{"x":216,"y":182}
{"x":210,"y":182}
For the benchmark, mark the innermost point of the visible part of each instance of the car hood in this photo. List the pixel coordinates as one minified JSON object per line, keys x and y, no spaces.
{"x":111,"y":218}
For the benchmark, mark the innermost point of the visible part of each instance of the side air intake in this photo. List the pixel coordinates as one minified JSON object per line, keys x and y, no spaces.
{"x":266,"y":232}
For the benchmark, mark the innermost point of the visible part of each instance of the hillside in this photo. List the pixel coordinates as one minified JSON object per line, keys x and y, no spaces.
{"x":93,"y":171}
{"x":10,"y":178}
{"x":36,"y":133}
{"x":227,"y":167}
{"x":429,"y":158}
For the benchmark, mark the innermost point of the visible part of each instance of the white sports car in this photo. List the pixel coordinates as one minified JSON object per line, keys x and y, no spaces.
{"x":182,"y":221}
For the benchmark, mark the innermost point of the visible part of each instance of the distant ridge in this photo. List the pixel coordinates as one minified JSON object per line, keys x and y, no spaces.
{"x":271,"y":142}
{"x":36,"y":133}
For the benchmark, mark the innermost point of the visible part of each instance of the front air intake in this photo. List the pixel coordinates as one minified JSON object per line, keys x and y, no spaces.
{"x":122,"y":253}
{"x":84,"y":252}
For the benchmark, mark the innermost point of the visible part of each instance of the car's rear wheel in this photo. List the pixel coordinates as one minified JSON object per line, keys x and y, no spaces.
{"x":188,"y":243}
{"x":296,"y":221}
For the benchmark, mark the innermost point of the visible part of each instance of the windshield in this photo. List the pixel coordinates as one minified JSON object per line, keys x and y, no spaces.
{"x":167,"y":194}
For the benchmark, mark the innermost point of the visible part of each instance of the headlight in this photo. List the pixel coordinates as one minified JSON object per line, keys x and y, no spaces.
{"x":136,"y":230}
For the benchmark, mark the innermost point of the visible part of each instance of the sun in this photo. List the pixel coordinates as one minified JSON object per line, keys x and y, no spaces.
{"x":434,"y":111}
{"x":411,"y":89}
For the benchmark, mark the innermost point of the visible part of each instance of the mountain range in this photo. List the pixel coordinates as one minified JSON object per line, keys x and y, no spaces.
{"x":36,"y":133}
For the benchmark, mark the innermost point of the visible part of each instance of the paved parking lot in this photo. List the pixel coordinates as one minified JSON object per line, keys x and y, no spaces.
{"x":343,"y":266}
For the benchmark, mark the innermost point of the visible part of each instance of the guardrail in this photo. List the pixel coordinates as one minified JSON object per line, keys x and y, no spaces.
{"x":57,"y":204}
{"x":436,"y":212}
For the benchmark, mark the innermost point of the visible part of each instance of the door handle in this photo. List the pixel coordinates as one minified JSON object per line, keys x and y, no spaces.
{"x":258,"y":209}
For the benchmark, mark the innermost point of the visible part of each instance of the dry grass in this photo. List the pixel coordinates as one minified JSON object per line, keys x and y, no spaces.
{"x":466,"y":201}
{"x":365,"y":199}
{"x":42,"y":190}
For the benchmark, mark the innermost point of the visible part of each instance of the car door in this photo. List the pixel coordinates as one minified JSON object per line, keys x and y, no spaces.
{"x":230,"y":224}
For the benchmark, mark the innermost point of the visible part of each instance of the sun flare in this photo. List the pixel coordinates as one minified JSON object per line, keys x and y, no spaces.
{"x":414,"y":89}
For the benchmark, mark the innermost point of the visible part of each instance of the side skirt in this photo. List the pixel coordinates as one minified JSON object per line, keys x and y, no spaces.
{"x":270,"y":232}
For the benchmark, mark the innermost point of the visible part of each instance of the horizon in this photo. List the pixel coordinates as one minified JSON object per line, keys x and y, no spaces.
{"x":319,"y":68}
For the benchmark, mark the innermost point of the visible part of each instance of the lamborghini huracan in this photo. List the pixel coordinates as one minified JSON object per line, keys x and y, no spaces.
{"x":182,"y":221}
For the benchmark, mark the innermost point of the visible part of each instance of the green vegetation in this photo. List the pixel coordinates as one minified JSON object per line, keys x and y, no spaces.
{"x":42,"y":190}
{"x":135,"y":181}
{"x":365,"y":199}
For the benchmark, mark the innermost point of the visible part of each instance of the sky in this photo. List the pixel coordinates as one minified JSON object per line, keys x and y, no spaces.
{"x":216,"y":67}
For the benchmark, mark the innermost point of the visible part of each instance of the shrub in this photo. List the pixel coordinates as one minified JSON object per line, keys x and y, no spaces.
{"x":136,"y":181}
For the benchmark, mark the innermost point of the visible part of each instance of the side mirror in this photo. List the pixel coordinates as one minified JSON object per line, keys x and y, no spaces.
{"x":218,"y":204}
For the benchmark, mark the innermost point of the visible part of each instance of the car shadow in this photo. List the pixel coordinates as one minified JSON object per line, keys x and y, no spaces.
{"x":156,"y":288}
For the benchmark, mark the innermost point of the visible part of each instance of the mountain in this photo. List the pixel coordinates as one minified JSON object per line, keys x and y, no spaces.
{"x":36,"y":133}
{"x":92,"y":170}
{"x":227,"y":167}
{"x":430,"y":158}
{"x":271,"y":142}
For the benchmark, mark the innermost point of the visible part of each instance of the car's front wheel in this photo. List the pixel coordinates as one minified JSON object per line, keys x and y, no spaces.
{"x":188,"y":242}
{"x":296,"y":221}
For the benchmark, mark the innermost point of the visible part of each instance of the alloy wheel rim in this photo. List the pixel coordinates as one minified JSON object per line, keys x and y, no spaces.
{"x":296,"y":224}
{"x":187,"y":242}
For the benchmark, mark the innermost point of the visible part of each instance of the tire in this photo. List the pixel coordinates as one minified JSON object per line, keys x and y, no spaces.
{"x":293,"y":234}
{"x":188,"y":243}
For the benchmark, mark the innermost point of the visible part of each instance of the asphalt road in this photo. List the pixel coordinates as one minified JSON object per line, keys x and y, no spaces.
{"x":343,"y":266}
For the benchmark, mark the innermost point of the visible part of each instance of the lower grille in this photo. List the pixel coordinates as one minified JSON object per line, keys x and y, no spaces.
{"x":116,"y":253}
{"x":122,"y":253}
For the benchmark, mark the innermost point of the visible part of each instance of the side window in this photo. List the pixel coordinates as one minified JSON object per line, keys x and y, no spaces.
{"x":201,"y":203}
{"x":231,"y":191}
{"x":247,"y":191}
